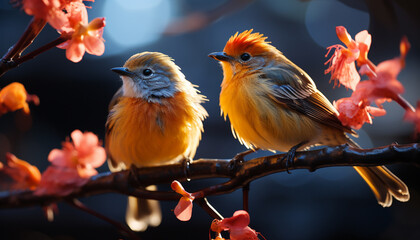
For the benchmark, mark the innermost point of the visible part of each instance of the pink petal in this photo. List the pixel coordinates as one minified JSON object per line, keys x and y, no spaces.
{"x":364,"y":37}
{"x":377,"y":112}
{"x":98,"y":157}
{"x":77,"y":138}
{"x":75,"y":51}
{"x":77,"y":14}
{"x":35,"y":8}
{"x":352,"y":113}
{"x":391,"y":67}
{"x":342,"y":66}
{"x":88,"y":140}
{"x":58,"y":20}
{"x":350,"y":77}
{"x":343,"y":35}
{"x":183,"y":209}
{"x":59,"y":158}
{"x":177,"y":187}
{"x":243,"y":233}
{"x":240,"y":219}
{"x":94,"y":45}
{"x":86,"y":144}
{"x":217,"y":226}
{"x":97,"y":24}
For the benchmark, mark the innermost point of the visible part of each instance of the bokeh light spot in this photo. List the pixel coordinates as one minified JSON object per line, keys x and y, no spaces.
{"x":134,"y":23}
{"x":323,"y":16}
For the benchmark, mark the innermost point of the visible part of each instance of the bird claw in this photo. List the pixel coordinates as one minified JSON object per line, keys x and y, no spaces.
{"x":187,"y":163}
{"x":290,"y":156}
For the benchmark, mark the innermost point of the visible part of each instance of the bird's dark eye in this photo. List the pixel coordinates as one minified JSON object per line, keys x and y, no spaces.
{"x":245,"y":57}
{"x":147,"y":72}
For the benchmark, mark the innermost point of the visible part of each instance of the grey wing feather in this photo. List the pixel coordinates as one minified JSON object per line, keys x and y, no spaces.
{"x":294,"y":88}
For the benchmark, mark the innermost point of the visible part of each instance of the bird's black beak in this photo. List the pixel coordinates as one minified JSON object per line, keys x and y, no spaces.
{"x":122,"y":71}
{"x":221,"y":56}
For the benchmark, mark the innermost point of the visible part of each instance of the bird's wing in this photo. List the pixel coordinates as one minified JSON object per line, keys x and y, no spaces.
{"x":294,"y":88}
{"x":113,"y":165}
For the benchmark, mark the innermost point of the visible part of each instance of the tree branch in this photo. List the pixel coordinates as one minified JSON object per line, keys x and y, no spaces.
{"x":7,"y":62}
{"x":6,"y":65}
{"x":240,"y":173}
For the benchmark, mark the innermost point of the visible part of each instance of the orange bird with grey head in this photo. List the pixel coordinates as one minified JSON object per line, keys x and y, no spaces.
{"x":273,"y":104}
{"x":155,"y":118}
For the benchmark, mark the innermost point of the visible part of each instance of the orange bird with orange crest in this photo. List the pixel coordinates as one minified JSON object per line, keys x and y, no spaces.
{"x":273,"y":104}
{"x":155,"y":118}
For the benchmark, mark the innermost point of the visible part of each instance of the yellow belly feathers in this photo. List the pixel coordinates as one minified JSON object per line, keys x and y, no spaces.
{"x":258,"y":120}
{"x":146,"y":134}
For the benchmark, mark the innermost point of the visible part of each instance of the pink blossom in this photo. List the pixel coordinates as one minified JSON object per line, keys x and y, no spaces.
{"x":342,"y":63}
{"x":237,"y":225}
{"x":383,"y":83}
{"x":86,"y":37}
{"x":57,"y":13}
{"x":354,"y":112}
{"x":73,"y":165}
{"x":84,"y":154}
{"x":70,"y":18}
{"x":183,"y":209}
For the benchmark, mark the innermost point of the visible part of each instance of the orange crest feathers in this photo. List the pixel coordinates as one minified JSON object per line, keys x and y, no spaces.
{"x":246,"y":42}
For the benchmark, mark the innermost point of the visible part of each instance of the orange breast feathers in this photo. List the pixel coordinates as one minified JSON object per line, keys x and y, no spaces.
{"x":257,"y":120}
{"x":146,"y":133}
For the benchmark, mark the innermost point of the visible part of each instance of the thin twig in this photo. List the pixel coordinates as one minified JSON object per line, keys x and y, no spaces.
{"x":79,"y":205}
{"x":31,"y":32}
{"x":245,"y":197}
{"x":6,"y":66}
{"x":204,"y":203}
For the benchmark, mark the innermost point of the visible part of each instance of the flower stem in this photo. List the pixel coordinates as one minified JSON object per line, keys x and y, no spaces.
{"x":31,"y":32}
{"x":245,"y":197}
{"x":202,"y":202}
{"x":79,"y":205}
{"x":404,"y":103}
{"x":6,"y":65}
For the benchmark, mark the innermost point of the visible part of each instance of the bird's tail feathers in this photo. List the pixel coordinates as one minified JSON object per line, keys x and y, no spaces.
{"x":383,"y":182}
{"x":142,"y":213}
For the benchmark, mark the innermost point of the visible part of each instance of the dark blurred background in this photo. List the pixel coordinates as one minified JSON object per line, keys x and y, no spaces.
{"x":332,"y":203}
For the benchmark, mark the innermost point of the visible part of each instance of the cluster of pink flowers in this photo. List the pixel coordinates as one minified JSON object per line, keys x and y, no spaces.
{"x":70,"y":167}
{"x":382,"y":84}
{"x":70,"y":18}
{"x":237,"y":225}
